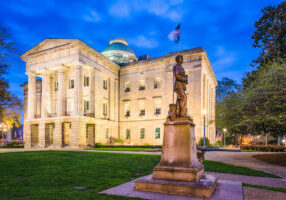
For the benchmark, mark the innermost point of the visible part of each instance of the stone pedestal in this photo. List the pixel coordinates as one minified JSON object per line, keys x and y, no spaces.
{"x":179,"y":171}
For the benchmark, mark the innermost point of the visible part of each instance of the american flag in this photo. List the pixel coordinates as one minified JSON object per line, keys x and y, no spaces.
{"x":175,"y":34}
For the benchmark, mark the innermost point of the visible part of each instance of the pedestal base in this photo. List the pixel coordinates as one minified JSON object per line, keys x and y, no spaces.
{"x":178,"y":173}
{"x":203,"y":188}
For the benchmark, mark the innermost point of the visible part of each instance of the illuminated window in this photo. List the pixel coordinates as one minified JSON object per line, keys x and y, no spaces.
{"x":127,"y":87}
{"x":142,"y":133}
{"x":157,"y":83}
{"x":142,"y":85}
{"x":105,"y":84}
{"x":127,"y":134}
{"x":86,"y":81}
{"x":157,"y":133}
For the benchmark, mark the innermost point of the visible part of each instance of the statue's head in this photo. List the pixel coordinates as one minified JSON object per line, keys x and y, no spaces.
{"x":179,"y":59}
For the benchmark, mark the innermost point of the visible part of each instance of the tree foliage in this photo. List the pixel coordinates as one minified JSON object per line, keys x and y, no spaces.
{"x":270,"y":31}
{"x":8,"y":102}
{"x":270,"y":36}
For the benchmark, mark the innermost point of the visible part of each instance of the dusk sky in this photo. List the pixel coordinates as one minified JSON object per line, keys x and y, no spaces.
{"x":222,"y":27}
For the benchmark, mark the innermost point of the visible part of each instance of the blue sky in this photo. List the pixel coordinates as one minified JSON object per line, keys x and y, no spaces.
{"x":222,"y":27}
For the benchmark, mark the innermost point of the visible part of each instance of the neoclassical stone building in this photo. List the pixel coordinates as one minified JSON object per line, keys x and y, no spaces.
{"x":76,"y":96}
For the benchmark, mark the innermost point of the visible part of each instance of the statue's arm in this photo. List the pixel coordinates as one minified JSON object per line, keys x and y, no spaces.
{"x":178,"y":76}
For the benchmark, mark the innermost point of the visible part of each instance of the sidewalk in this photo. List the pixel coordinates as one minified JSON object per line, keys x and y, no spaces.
{"x":245,"y":159}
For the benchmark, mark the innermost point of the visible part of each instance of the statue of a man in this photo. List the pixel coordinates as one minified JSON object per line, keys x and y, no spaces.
{"x":180,"y":87}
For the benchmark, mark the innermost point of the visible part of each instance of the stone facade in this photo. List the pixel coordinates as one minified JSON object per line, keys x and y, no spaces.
{"x":76,"y":97}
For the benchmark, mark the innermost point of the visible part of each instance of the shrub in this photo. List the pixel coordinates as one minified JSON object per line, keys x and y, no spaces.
{"x":119,"y":141}
{"x":264,"y":148}
{"x":98,"y":144}
{"x":218,"y":143}
{"x":201,"y":142}
{"x":15,"y":144}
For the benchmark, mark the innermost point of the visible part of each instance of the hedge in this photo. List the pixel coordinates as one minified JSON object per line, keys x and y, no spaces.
{"x":264,"y":148}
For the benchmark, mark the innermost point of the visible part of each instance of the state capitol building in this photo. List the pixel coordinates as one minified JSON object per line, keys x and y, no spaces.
{"x":76,"y":96}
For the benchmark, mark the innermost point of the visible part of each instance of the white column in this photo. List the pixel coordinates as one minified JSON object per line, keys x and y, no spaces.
{"x":78,"y":91}
{"x":31,"y":95}
{"x":46,"y":96}
{"x":92,"y":92}
{"x":61,"y":84}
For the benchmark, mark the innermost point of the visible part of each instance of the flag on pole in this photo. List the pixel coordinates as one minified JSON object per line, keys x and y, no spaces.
{"x":175,"y":34}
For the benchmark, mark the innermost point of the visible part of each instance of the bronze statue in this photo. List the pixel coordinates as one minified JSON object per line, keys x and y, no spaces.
{"x":180,"y":87}
{"x":179,"y":109}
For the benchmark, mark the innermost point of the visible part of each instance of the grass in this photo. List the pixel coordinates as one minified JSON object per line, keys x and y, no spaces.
{"x":274,"y":159}
{"x":214,"y":166}
{"x":277,"y":189}
{"x":41,"y":175}
{"x":118,"y":149}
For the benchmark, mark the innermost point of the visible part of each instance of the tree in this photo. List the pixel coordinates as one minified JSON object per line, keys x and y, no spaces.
{"x":226,"y":87}
{"x":264,"y":105}
{"x":8,"y":101}
{"x":270,"y":35}
{"x":271,"y":30}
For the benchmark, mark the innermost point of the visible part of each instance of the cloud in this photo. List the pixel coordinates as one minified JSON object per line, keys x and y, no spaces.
{"x":120,"y":9}
{"x":143,"y":42}
{"x":224,"y":59}
{"x":93,"y":16}
{"x":169,"y":9}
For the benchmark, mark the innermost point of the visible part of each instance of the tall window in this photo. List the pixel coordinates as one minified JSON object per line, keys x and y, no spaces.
{"x":158,"y":107}
{"x":71,"y":83}
{"x":104,"y":109}
{"x":127,"y":109}
{"x":56,"y":86}
{"x":86,"y":106}
{"x":157,"y":133}
{"x":142,"y":85}
{"x":157,"y":83}
{"x":127,"y":134}
{"x":107,"y":133}
{"x":127,"y":86}
{"x":86,"y":81}
{"x":142,"y":133}
{"x":142,"y":108}
{"x":105,"y":84}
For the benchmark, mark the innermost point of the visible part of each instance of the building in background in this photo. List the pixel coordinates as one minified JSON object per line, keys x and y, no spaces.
{"x":76,"y":96}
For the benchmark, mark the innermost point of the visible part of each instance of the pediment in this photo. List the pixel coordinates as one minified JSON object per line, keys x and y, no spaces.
{"x":48,"y":44}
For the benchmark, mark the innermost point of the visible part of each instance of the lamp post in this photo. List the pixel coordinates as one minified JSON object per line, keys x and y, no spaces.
{"x":204,"y":113}
{"x":224,"y":131}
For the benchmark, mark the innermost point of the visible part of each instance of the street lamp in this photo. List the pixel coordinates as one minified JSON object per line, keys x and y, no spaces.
{"x":204,"y":113}
{"x":224,"y":131}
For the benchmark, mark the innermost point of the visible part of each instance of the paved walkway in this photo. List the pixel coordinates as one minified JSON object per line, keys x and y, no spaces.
{"x":254,"y":180}
{"x":245,"y":159}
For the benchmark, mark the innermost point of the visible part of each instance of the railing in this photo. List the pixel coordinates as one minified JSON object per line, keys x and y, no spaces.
{"x":37,"y":116}
{"x":89,"y":114}
{"x":68,"y":113}
{"x":52,"y":114}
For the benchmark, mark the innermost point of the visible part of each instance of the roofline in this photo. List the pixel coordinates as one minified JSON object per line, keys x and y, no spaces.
{"x":193,"y":50}
{"x":80,"y":42}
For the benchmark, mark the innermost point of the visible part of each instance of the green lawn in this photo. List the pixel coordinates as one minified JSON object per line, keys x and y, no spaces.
{"x":214,"y":166}
{"x":118,"y":149}
{"x":53,"y":174}
{"x":277,"y":189}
